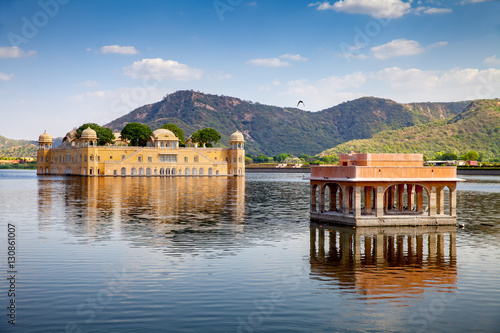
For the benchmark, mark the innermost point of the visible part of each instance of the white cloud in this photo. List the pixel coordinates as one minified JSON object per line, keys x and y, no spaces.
{"x":14,"y":52}
{"x":6,"y":77}
{"x":268,"y":62}
{"x":375,"y":8}
{"x":492,"y":60}
{"x":119,"y":49}
{"x":396,"y":48}
{"x":464,"y":2}
{"x":162,"y":69}
{"x":295,"y":57}
{"x":437,"y":10}
{"x":438,"y":44}
{"x":401,"y":47}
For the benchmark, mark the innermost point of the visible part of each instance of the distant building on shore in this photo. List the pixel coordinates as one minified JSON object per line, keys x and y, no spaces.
{"x":383,"y":190}
{"x":161,"y":157}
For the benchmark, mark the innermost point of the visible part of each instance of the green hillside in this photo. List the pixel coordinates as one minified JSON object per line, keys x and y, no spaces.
{"x":272,"y":130}
{"x":476,"y":128}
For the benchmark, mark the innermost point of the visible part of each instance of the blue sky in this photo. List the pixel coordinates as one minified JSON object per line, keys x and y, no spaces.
{"x":67,"y":62}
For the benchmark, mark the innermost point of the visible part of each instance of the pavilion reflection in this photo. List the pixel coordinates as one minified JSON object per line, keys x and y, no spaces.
{"x":149,"y":211}
{"x":395,"y":263}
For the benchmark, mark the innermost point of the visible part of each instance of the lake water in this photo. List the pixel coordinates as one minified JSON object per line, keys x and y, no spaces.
{"x":231,"y":255}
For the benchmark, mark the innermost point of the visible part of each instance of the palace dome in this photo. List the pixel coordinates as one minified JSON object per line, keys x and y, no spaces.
{"x":45,"y":137}
{"x":162,"y":133}
{"x":89,"y":133}
{"x":237,"y":136}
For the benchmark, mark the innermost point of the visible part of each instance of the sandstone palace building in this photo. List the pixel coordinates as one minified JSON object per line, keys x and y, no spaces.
{"x":161,"y":157}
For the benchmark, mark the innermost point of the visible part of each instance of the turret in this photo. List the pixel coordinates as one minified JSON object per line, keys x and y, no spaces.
{"x":236,"y":165}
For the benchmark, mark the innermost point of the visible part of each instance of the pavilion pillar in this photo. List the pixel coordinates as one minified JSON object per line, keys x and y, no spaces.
{"x":341,"y":199}
{"x":368,"y":199}
{"x":351,"y":191}
{"x":379,"y":201}
{"x":420,"y":198}
{"x":440,"y":200}
{"x":401,"y":189}
{"x":357,"y":201}
{"x":322,"y":199}
{"x":409,"y":191}
{"x":432,"y":201}
{"x":453,"y":201}
{"x":313,"y":198}
{"x":345,"y":204}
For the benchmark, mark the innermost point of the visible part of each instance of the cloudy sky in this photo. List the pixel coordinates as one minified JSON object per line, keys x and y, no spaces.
{"x":66,"y":62}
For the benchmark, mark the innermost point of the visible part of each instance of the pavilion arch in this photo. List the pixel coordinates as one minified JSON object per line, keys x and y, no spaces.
{"x":167,"y":171}
{"x":194,"y":171}
{"x":331,"y":200}
{"x":123,"y":171}
{"x":407,"y":198}
{"x":217,"y":172}
{"x":187,"y":171}
{"x":201,"y":171}
{"x":162,"y":171}
{"x":141,"y":171}
{"x":148,"y":171}
{"x":210,"y":171}
{"x":133,"y":171}
{"x":174,"y":171}
{"x":446,"y":200}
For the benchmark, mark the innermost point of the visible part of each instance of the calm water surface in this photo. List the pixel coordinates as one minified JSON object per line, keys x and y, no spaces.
{"x":231,"y":255}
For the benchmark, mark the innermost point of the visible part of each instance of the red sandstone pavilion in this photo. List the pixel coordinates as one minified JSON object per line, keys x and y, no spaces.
{"x":383,"y":190}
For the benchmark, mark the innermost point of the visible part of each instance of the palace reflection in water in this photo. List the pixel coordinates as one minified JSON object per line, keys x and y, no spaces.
{"x":147,"y":211}
{"x":394,"y":263}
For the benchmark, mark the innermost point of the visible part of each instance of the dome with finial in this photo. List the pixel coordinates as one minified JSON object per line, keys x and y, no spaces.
{"x":89,"y":133}
{"x":45,"y":138}
{"x":237,"y":136}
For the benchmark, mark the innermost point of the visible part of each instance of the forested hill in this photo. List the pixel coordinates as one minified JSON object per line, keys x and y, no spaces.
{"x":272,"y":130}
{"x":476,"y":128}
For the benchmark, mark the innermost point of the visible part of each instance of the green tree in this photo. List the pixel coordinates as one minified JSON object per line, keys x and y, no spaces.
{"x":470,"y":156}
{"x":281,"y":157}
{"x":248,"y":160}
{"x":104,"y":135}
{"x":206,"y":137}
{"x":261,"y":159}
{"x":177,"y":131}
{"x":137,"y":133}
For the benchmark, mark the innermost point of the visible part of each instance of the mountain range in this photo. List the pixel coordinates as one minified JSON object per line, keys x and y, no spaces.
{"x":272,"y":130}
{"x":366,"y":124}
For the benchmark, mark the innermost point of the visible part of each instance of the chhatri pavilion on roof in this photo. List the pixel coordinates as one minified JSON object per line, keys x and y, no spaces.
{"x":383,"y":190}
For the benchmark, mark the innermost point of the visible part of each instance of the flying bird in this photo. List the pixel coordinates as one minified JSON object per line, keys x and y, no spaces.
{"x":300,"y":102}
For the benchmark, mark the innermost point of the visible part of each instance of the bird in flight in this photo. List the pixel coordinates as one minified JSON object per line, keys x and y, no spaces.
{"x":300,"y":102}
